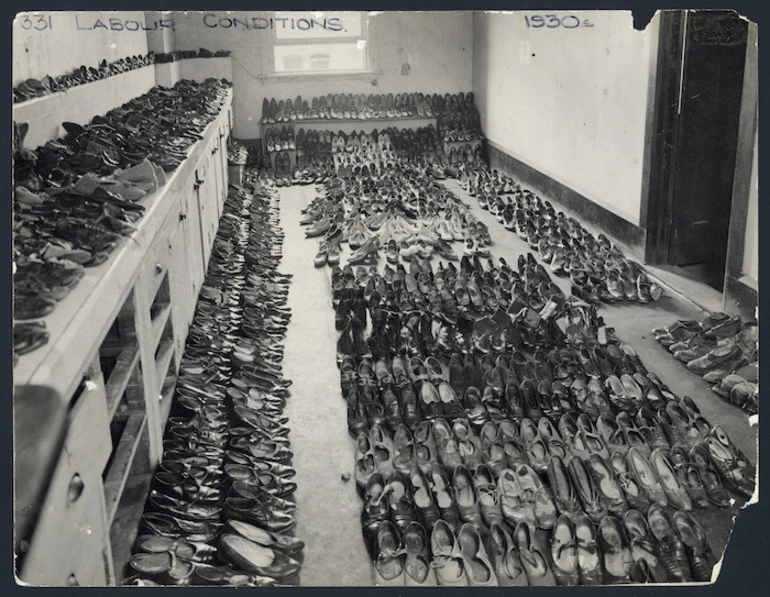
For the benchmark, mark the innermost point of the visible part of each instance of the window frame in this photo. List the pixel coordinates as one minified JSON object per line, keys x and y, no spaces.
{"x":269,"y":53}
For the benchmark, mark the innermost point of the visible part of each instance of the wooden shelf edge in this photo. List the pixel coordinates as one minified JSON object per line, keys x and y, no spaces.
{"x":298,"y":123}
{"x":124,"y":528}
{"x":167,"y":395}
{"x":156,"y":283}
{"x":83,"y":317}
{"x":120,"y":376}
{"x":116,"y":478}
{"x":162,"y":363}
{"x":158,"y":325}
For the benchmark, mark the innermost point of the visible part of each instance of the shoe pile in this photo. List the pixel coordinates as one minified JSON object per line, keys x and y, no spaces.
{"x":354,"y":107}
{"x":167,"y":57}
{"x":159,"y":125}
{"x":404,"y":212}
{"x":486,"y":184}
{"x":458,"y":119}
{"x":599,"y":271}
{"x":237,"y":153}
{"x":464,"y":154}
{"x":505,"y":436}
{"x":723,"y":350}
{"x":32,"y":88}
{"x":280,"y":140}
{"x":282,"y":173}
{"x":220,"y":511}
{"x":76,"y":198}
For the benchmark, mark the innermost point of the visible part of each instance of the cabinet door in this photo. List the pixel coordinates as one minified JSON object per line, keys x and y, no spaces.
{"x":223,"y":137}
{"x":180,"y":288}
{"x":205,"y":208}
{"x":193,"y":244}
{"x":219,"y":190}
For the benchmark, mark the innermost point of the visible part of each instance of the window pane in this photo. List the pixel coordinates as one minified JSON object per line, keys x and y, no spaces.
{"x":317,"y":24}
{"x":319,"y":57}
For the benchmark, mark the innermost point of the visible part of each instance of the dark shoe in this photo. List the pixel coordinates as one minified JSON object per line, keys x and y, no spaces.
{"x":256,"y":559}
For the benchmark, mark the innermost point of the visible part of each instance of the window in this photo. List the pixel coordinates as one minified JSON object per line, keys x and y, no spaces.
{"x":319,"y":42}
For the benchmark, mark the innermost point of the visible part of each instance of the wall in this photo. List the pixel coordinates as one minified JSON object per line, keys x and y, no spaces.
{"x":570,"y":103}
{"x":69,"y":40}
{"x":438,"y":47}
{"x":751,"y":240}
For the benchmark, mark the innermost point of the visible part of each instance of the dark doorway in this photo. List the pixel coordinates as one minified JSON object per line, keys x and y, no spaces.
{"x":701,"y":62}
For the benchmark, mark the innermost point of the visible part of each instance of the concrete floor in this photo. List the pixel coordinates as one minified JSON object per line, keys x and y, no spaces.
{"x":329,"y":509}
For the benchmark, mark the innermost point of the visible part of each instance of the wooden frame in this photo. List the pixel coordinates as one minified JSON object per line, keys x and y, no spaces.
{"x":662,"y":134}
{"x":269,"y":55}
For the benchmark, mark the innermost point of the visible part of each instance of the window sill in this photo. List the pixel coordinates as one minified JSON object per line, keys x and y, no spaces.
{"x":362,"y":74}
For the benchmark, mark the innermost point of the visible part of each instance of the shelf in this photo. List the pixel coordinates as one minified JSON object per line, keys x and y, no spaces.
{"x":472,"y":141}
{"x":46,"y":113}
{"x":159,"y":325}
{"x":83,"y":318}
{"x":298,"y":123}
{"x":167,"y":397}
{"x":125,"y":525}
{"x":121,"y":377}
{"x":163,"y":356}
{"x":123,"y":458}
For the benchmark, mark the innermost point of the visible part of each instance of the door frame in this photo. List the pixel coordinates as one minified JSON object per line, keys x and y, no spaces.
{"x":661,"y":143}
{"x":662,"y":133}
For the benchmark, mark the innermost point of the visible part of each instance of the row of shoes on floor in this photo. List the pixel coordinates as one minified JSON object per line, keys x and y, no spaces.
{"x":723,"y":350}
{"x":362,"y":107}
{"x":452,"y":493}
{"x":598,"y":270}
{"x":31,"y":88}
{"x":620,"y":412}
{"x":591,"y":469}
{"x":509,"y":303}
{"x":166,"y":57}
{"x":370,"y":213}
{"x":220,"y":511}
{"x":602,"y":390}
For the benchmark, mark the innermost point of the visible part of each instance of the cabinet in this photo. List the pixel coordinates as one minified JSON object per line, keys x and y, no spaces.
{"x":113,"y":356}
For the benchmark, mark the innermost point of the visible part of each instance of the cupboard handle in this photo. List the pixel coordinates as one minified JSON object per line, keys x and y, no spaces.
{"x":158,"y":269}
{"x":75,"y":489}
{"x":182,"y":216}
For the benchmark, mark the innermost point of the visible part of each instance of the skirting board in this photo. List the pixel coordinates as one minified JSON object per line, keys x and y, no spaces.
{"x":628,"y":234}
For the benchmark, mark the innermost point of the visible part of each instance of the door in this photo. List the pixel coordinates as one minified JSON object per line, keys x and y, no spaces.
{"x":698,"y":105}
{"x":714,"y":56}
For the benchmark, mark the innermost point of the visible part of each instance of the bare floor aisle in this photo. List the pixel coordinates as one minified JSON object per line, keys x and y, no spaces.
{"x":329,"y":509}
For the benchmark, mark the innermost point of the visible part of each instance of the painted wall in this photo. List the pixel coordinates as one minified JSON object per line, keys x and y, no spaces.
{"x":68,"y":40}
{"x":569,"y":102}
{"x":437,"y":46}
{"x":751,"y":242}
